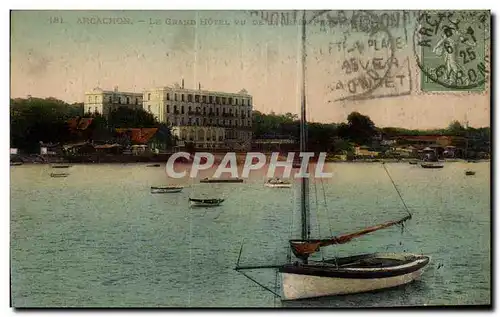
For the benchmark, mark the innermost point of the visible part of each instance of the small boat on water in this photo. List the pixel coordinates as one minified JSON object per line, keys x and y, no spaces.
{"x":469,"y":173}
{"x":165,"y":189}
{"x":431,"y":165}
{"x":413,"y":162}
{"x":221,"y":180}
{"x":59,"y":174}
{"x":278,"y":183}
{"x":153,"y":165}
{"x":61,"y":166}
{"x":205,"y":202}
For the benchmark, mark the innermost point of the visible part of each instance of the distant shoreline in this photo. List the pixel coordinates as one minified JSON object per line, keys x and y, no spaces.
{"x":163,"y":158}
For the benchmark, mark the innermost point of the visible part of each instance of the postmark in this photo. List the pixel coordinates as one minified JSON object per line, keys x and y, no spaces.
{"x":365,"y":55}
{"x":450,"y":50}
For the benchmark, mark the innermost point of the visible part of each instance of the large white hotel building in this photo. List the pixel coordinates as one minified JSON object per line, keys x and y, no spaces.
{"x":209,"y":119}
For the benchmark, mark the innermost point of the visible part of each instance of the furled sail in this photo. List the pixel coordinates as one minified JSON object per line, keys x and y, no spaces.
{"x":304,"y":248}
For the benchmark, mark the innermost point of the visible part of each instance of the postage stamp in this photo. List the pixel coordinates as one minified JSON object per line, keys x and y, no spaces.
{"x":451,"y":50}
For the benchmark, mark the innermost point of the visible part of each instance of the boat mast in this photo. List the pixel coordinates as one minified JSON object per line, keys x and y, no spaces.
{"x":304,"y":201}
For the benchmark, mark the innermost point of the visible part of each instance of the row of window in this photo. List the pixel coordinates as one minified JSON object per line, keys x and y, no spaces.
{"x":206,"y":111}
{"x":207,"y":99}
{"x":110,"y":100}
{"x":205,"y":122}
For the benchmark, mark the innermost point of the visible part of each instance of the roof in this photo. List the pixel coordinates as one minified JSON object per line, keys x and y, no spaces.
{"x":139,"y":135}
{"x":79,"y":123}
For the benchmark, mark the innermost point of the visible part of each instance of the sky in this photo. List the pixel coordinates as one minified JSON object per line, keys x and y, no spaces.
{"x":145,"y":49}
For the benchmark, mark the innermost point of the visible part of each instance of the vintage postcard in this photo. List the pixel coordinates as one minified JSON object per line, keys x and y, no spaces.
{"x":247,"y":159}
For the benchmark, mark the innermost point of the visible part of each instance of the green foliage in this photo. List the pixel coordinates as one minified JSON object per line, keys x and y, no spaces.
{"x":131,"y":118}
{"x":36,"y":119}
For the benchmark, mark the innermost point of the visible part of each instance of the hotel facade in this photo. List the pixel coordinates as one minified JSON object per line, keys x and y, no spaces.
{"x":209,"y":119}
{"x":104,"y":101}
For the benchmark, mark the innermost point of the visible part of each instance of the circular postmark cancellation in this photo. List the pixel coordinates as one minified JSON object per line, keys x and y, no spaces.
{"x":369,"y":55}
{"x":450,"y":51}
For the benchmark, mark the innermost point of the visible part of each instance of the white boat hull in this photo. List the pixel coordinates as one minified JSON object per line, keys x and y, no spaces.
{"x":166,"y":191}
{"x":193,"y":204}
{"x":299,"y":286}
{"x":278,"y":185}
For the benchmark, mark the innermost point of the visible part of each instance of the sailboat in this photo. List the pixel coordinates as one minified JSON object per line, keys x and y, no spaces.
{"x":304,"y":278}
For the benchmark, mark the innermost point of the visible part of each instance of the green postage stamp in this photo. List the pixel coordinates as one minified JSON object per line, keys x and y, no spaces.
{"x":452,"y":51}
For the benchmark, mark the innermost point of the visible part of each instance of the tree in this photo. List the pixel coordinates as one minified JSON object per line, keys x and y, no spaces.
{"x":124,"y":117}
{"x":361,"y":129}
{"x":455,"y":128}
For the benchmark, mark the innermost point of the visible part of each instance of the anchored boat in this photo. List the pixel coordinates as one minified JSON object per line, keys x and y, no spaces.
{"x":205,"y":202}
{"x":165,"y":189}
{"x":303,"y":278}
{"x":61,"y":166}
{"x":278,"y":183}
{"x":59,"y":174}
{"x":432,"y":165}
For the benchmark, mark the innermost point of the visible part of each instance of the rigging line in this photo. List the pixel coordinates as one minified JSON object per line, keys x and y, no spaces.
{"x":317,"y":208}
{"x":275,"y":286}
{"x":258,"y":283}
{"x":326,"y":207}
{"x":397,"y":190}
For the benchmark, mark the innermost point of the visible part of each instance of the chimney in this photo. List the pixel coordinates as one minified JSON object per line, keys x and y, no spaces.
{"x":199,"y":86}
{"x":182,"y":83}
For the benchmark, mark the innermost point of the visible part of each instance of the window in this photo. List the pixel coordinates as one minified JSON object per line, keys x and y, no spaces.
{"x":211,"y":121}
{"x":217,"y":100}
{"x":182,"y":109}
{"x":190,"y":98}
{"x":249,"y":102}
{"x":236,"y":112}
{"x":230,"y":100}
{"x":248,"y":113}
{"x":204,"y":110}
{"x":90,"y":98}
{"x":128,"y":100}
{"x":190,"y":121}
{"x":182,"y":120}
{"x":110,"y":99}
{"x":119,"y":100}
{"x":136,"y":101}
{"x":95,"y":99}
{"x":175,"y":97}
{"x":182,"y":97}
{"x":236,"y":101}
{"x":168,"y":108}
{"x":230,"y":122}
{"x":175,"y":109}
{"x":217,"y":111}
{"x":211,"y":98}
{"x":149,"y":108}
{"x":197,"y":121}
{"x":204,"y":99}
{"x":149,"y":96}
{"x":223,"y":100}
{"x":168,"y":96}
{"x":95,"y":109}
{"x":189,"y":109}
{"x":197,"y":98}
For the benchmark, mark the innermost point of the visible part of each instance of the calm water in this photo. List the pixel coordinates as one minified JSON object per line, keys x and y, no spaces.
{"x":100,"y":239}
